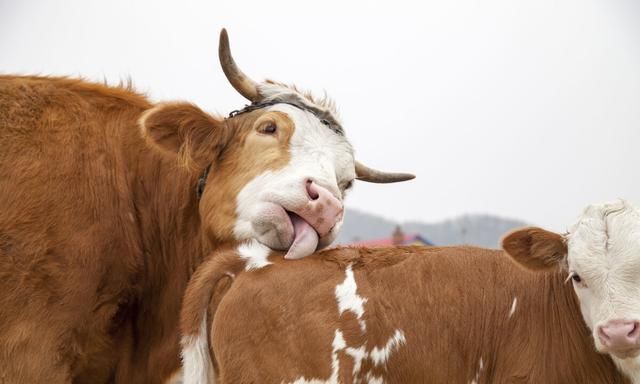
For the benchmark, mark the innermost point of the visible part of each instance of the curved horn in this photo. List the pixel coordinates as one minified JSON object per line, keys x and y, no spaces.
{"x":243,"y":84}
{"x":370,"y":175}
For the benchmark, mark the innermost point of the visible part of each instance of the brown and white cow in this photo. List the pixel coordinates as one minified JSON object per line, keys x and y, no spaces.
{"x":108,"y":203}
{"x":421,"y":314}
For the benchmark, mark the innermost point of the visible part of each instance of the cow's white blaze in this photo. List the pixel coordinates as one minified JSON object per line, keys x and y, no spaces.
{"x":255,"y":254}
{"x":196,"y":361}
{"x":604,"y":251}
{"x":348,"y":298}
{"x":317,"y":153}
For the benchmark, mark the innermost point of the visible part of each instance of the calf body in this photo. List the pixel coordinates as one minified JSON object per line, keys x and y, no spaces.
{"x":401,"y":315}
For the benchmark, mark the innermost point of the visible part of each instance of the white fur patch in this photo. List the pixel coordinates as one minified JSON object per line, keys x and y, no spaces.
{"x":629,"y":367}
{"x":358,"y":355}
{"x":255,"y":254}
{"x":380,"y":356}
{"x":338,"y":345}
{"x":348,"y":298}
{"x":513,"y":307}
{"x":196,"y":361}
{"x":478,"y":372}
{"x":373,"y":379}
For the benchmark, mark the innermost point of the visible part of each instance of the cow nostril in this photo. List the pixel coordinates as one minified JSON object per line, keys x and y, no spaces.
{"x":311,"y":191}
{"x":635,"y":331}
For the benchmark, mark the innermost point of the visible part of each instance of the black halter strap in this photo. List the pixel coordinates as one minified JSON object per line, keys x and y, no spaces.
{"x":202,"y":181}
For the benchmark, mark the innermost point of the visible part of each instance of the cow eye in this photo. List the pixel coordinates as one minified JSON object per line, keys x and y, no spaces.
{"x":325,"y":122}
{"x":576,"y":278}
{"x":348,"y":184}
{"x":269,"y":129}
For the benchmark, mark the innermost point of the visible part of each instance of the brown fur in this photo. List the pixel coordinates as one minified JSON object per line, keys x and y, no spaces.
{"x":277,"y":324}
{"x":100,"y":231}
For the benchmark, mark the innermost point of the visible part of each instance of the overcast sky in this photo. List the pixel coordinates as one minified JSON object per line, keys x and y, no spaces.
{"x":524,"y":109}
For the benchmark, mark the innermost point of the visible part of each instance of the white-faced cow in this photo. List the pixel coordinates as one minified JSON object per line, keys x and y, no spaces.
{"x":423,"y":314}
{"x":600,"y":254}
{"x":108,"y":203}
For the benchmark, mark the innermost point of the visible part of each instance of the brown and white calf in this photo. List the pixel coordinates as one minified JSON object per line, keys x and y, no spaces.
{"x":419,"y":314}
{"x":108,"y":203}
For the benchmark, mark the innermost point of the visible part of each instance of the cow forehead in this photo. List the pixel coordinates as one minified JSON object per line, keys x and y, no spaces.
{"x":323,"y":109}
{"x":314,"y":141}
{"x":607,"y":236}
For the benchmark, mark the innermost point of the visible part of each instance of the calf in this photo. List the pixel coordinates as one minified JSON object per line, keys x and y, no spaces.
{"x":600,"y":254}
{"x":397,"y":315}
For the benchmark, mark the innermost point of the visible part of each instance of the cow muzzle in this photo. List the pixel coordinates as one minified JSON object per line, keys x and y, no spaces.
{"x":620,"y":337}
{"x":313,"y":220}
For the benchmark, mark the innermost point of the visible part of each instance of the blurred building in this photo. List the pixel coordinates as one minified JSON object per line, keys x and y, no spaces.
{"x":398,"y":237}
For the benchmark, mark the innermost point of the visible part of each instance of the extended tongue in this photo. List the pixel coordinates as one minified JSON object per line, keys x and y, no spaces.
{"x":306,"y":239}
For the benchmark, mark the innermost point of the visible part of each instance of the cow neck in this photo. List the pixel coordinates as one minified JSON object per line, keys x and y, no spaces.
{"x":172,"y":247}
{"x":548,"y":317}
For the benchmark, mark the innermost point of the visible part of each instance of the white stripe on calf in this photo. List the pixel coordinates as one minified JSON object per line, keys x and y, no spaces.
{"x":348,"y":298}
{"x":380,"y":356}
{"x":513,"y":307}
{"x":196,"y":361}
{"x":255,"y":253}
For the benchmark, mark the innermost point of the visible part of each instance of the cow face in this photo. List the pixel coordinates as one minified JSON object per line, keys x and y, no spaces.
{"x":278,"y":174}
{"x":276,"y":171}
{"x":601,"y":254}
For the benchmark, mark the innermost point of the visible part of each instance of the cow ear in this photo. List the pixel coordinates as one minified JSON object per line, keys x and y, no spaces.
{"x":183,"y":130}
{"x":535,"y":248}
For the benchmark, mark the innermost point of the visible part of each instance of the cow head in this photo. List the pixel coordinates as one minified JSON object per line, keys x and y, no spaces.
{"x":276,"y":171}
{"x":601,"y":254}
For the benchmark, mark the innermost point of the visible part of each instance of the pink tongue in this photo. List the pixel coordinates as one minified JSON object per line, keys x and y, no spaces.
{"x":306,"y":239}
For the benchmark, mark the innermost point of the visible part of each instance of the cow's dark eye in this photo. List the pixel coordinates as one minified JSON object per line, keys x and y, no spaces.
{"x":576,"y":278}
{"x":325,"y":122}
{"x":348,"y":184}
{"x":269,"y":129}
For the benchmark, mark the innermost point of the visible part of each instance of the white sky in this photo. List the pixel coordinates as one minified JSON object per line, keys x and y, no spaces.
{"x":525,"y":109}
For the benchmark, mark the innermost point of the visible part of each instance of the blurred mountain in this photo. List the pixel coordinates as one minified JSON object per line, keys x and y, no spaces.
{"x":482,"y":230}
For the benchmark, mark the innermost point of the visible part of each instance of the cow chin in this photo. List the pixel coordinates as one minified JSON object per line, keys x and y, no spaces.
{"x":623,"y":354}
{"x":627,"y":354}
{"x":272,"y":227}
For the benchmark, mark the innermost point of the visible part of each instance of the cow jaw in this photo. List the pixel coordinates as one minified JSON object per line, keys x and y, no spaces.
{"x":277,"y":208}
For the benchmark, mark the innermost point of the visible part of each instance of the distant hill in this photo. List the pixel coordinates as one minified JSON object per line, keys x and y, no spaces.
{"x":482,"y":230}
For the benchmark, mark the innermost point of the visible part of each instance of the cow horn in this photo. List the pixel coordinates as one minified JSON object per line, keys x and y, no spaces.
{"x":370,"y":175}
{"x":241,"y":82}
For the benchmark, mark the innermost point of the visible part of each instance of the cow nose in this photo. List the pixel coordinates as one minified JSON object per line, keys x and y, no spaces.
{"x":323,"y":210}
{"x":619,"y":333}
